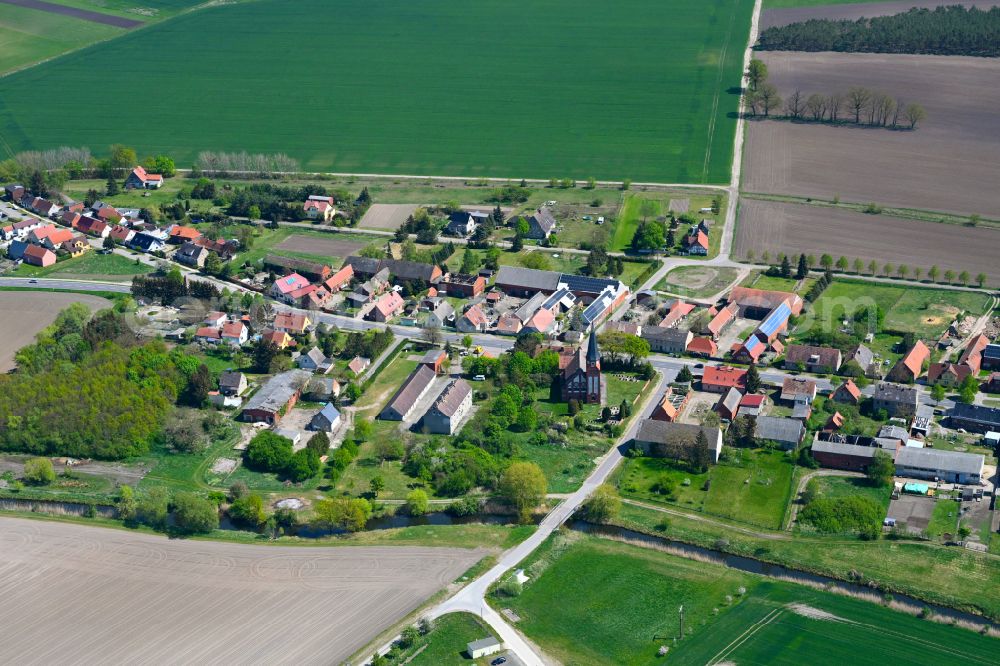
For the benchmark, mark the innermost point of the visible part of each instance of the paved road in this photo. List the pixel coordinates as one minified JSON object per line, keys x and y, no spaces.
{"x":65,"y":285}
{"x":471,"y":598}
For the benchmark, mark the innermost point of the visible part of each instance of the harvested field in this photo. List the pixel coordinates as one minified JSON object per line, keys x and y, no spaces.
{"x":334,"y":246}
{"x":25,"y":313}
{"x":75,"y":12}
{"x":854,"y":10}
{"x":948,"y":164}
{"x":386,"y":216}
{"x":84,"y":594}
{"x":679,"y":206}
{"x":794,"y":228}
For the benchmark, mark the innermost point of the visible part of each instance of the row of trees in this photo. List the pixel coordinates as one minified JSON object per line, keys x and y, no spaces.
{"x":244,"y":164}
{"x":48,"y":170}
{"x":952,"y":30}
{"x":874,"y":268}
{"x":171,"y":286}
{"x":859,"y":105}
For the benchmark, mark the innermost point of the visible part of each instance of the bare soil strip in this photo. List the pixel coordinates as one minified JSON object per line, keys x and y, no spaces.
{"x":85,"y":14}
{"x":948,"y":164}
{"x":81,"y":594}
{"x":794,"y":228}
{"x":386,"y":216}
{"x":854,"y":11}
{"x":335,"y":247}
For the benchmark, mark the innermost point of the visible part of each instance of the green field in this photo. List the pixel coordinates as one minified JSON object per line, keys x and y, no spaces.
{"x":91,"y":266}
{"x":411,"y":88}
{"x":922,"y":310}
{"x":28,"y":36}
{"x":625,"y":600}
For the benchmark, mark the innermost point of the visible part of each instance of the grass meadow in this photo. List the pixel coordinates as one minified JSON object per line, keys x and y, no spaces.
{"x":749,"y":487}
{"x":625,"y":600}
{"x":548,"y":89}
{"x":922,"y":310}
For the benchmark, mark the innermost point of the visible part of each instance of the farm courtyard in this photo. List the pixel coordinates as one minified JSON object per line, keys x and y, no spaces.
{"x":91,"y":595}
{"x":410,"y":88}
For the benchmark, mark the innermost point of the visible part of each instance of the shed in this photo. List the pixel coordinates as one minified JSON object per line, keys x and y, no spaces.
{"x":483,"y":647}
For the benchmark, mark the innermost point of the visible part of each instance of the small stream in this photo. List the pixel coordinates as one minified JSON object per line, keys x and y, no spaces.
{"x":901,"y":602}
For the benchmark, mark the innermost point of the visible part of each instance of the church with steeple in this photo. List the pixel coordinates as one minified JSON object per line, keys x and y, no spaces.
{"x":581,"y":377}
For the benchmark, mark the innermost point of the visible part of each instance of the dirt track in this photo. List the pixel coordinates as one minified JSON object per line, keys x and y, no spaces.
{"x":88,"y":595}
{"x":25,"y":313}
{"x":794,"y":228}
{"x":949,"y":163}
{"x":94,"y":17}
{"x":854,"y":11}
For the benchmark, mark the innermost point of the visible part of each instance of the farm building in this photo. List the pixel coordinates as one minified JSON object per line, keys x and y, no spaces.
{"x":139,"y":179}
{"x":821,"y":360}
{"x":911,"y":366}
{"x":758,"y":303}
{"x":541,"y":224}
{"x":719,"y":379}
{"x":401,"y":405}
{"x":447,"y":412}
{"x":896,"y":400}
{"x":798,"y":389}
{"x":326,"y":420}
{"x":847,"y":393}
{"x":785,"y":432}
{"x":472,"y":321}
{"x":949,"y":466}
{"x":483,"y":647}
{"x":462,"y":286}
{"x":667,"y":340}
{"x":274,"y":398}
{"x":675,"y":440}
{"x":974,"y":418}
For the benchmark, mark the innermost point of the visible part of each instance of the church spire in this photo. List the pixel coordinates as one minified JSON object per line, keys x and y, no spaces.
{"x":593,"y":355}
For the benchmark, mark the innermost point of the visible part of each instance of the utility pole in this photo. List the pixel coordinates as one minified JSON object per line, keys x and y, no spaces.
{"x":681,"y":611}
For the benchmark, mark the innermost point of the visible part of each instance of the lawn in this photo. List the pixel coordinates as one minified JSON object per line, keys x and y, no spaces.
{"x":579,"y":116}
{"x":636,"y":209}
{"x":91,"y":266}
{"x":944,"y":519}
{"x":845,"y":486}
{"x":922,"y":310}
{"x":445,"y":645}
{"x":750,"y":487}
{"x":625,"y":603}
{"x":697,"y":281}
